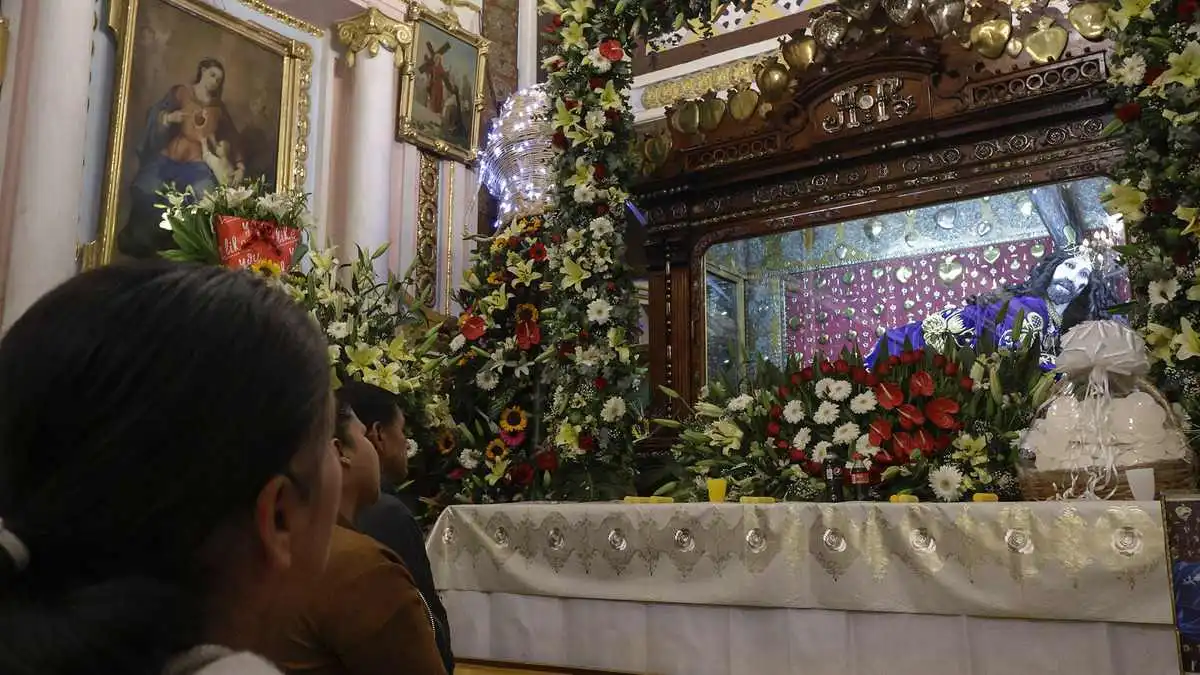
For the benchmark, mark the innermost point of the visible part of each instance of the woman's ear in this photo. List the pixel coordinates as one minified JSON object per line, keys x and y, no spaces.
{"x":375,"y":433}
{"x":340,"y":448}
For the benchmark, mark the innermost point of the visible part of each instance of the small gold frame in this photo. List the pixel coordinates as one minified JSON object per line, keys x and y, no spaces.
{"x":408,"y":128}
{"x":294,"y":106}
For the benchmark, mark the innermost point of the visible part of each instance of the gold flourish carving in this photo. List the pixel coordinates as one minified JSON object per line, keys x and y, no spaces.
{"x":424,"y":272}
{"x":371,"y":31}
{"x":717,"y":78}
{"x":283,"y":17}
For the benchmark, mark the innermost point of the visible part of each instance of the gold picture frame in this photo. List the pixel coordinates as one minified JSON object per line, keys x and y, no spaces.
{"x":236,"y":98}
{"x":433,"y":113}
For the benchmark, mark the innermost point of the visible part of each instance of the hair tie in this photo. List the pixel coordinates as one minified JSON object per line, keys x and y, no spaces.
{"x":11,"y":544}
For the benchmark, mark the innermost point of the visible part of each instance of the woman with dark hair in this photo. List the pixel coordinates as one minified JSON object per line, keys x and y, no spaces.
{"x":364,"y":615}
{"x":165,"y":471}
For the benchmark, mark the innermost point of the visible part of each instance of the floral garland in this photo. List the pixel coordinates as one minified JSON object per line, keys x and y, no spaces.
{"x":938,"y":426}
{"x":595,"y":373}
{"x":1153,"y":82}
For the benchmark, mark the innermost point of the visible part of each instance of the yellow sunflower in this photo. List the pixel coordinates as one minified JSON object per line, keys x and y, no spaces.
{"x":496,"y":450}
{"x":267,"y":268}
{"x":527,"y":312}
{"x":446,"y":442}
{"x":513,"y":420}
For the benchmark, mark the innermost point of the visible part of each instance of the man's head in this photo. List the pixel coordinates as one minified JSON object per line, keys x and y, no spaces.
{"x":384,"y":422}
{"x":210,"y":76}
{"x":359,"y":461}
{"x":1069,"y":279}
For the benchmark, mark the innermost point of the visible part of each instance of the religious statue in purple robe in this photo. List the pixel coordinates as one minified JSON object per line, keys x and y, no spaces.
{"x":1070,"y":285}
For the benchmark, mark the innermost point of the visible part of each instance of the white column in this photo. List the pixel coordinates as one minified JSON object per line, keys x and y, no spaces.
{"x":527,"y":41}
{"x":370,"y":41}
{"x":50,"y":174}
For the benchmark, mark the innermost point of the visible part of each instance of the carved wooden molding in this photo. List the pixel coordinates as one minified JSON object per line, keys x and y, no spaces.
{"x":424,"y":271}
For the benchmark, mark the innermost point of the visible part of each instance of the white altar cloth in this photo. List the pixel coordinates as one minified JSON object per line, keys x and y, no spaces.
{"x":810,"y":588}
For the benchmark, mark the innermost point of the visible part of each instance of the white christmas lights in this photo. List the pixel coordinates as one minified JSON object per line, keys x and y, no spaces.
{"x":513,"y":167}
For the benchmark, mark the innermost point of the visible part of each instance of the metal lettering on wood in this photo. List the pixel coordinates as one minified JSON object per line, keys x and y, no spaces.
{"x":868,"y":103}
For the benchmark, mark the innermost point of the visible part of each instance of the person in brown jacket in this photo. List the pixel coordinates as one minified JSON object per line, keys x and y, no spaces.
{"x":364,"y":615}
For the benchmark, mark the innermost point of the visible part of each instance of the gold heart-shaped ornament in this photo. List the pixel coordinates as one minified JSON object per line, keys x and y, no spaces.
{"x":687,"y":117}
{"x":742,"y":104}
{"x":991,"y":37}
{"x":1089,"y":19}
{"x":1047,"y":42}
{"x":712,"y":111}
{"x":799,"y":53}
{"x":772,"y":81}
{"x":657,"y":148}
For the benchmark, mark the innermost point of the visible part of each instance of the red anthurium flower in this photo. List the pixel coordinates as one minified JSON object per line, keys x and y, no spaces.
{"x":559,"y":139}
{"x":537,"y":251}
{"x":521,"y":474}
{"x":879,"y":432}
{"x":772,"y":429}
{"x":902,"y":447}
{"x":889,"y":395}
{"x":473,"y":327}
{"x":806,"y":374}
{"x":546,"y":460}
{"x":870,"y":380}
{"x":797,"y":456}
{"x":920,"y":384}
{"x":951,"y":369}
{"x":611,"y":50}
{"x":894,"y":361}
{"x":860,"y":375}
{"x":529,"y":333}
{"x":826,"y":368}
{"x":776,"y":412}
{"x":841,"y":367}
{"x":967,"y":383}
{"x":941,"y":412}
{"x":910,"y":416}
{"x":566,"y":348}
{"x":939,"y":360}
{"x":923,"y":441}
{"x":909,"y":357}
{"x":942,"y":441}
{"x":883,"y":369}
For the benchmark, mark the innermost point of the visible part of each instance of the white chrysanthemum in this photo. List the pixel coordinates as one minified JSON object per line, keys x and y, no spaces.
{"x":846,"y":434}
{"x":413,"y":449}
{"x":338,"y":330}
{"x":599,"y":311}
{"x":467,"y":461}
{"x":946,"y":483}
{"x":863,"y":447}
{"x":827,"y":413}
{"x":614,"y":409}
{"x":1131,"y":72}
{"x":740,"y":403}
{"x":820,"y":451}
{"x":601,"y":227}
{"x":801,"y":439}
{"x":458,"y":342}
{"x":839,"y":390}
{"x":822,"y":387}
{"x":487,"y":380}
{"x":863,"y":403}
{"x":793,"y":412}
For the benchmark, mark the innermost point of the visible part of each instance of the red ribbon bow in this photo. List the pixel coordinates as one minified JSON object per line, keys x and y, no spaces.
{"x":242,"y":242}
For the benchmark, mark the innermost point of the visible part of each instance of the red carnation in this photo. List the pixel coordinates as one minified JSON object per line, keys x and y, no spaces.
{"x":841,"y":367}
{"x":521,"y":474}
{"x":889,"y":395}
{"x":546,"y":460}
{"x":556,"y":238}
{"x":806,"y":374}
{"x":1129,"y":112}
{"x":910,"y":416}
{"x":951,"y":369}
{"x":967,"y":383}
{"x":473,"y":327}
{"x":537,"y":251}
{"x":1186,"y":10}
{"x":611,"y":50}
{"x":776,"y":412}
{"x":600,"y":383}
{"x":941,"y":412}
{"x":782,"y":444}
{"x":826,"y":368}
{"x":784,"y":392}
{"x":772,"y":429}
{"x":939,"y":361}
{"x":797,"y":455}
{"x":920,"y":384}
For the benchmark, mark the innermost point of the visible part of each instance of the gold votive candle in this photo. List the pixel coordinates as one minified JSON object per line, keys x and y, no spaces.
{"x":717,"y":487}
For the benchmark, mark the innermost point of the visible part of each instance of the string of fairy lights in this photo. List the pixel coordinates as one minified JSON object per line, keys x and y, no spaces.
{"x":516,"y":164}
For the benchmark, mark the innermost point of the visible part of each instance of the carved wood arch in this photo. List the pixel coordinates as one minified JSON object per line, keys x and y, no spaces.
{"x":958,"y":125}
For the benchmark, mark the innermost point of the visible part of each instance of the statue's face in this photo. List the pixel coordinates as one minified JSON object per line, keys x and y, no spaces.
{"x":211,"y":79}
{"x":1070,"y":278}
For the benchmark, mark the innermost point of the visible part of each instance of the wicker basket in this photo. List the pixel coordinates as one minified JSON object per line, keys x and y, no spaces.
{"x":1172,"y":474}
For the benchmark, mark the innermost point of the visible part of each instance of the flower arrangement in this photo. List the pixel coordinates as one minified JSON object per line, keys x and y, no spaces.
{"x":496,"y":367}
{"x":236,"y":225}
{"x":1153,"y":84}
{"x":939,"y":426}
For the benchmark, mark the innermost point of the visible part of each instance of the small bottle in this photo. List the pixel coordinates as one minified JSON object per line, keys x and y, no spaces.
{"x":835,"y":478}
{"x":860,"y":479}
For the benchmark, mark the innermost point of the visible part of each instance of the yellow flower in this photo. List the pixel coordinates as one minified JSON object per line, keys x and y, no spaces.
{"x":578,"y":11}
{"x":1129,"y":9}
{"x":1190,"y":215}
{"x":609,"y":98}
{"x":1185,"y":67}
{"x":1159,"y":339}
{"x":567,"y":436}
{"x":495,"y":278}
{"x":496,"y":450}
{"x":527,"y":312}
{"x":513,"y":419}
{"x":1187,"y":342}
{"x":573,"y":275}
{"x":584,"y":174}
{"x":1180,"y":119}
{"x":267,"y":268}
{"x":446,"y":442}
{"x":523,"y":273}
{"x":1125,"y":200}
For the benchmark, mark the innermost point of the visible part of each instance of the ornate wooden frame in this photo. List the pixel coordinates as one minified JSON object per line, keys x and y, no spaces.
{"x":952,"y":125}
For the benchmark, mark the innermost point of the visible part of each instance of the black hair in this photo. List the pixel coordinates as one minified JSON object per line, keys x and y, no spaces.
{"x":373,"y":405}
{"x":345,"y":413}
{"x":204,"y":65}
{"x":142,"y":409}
